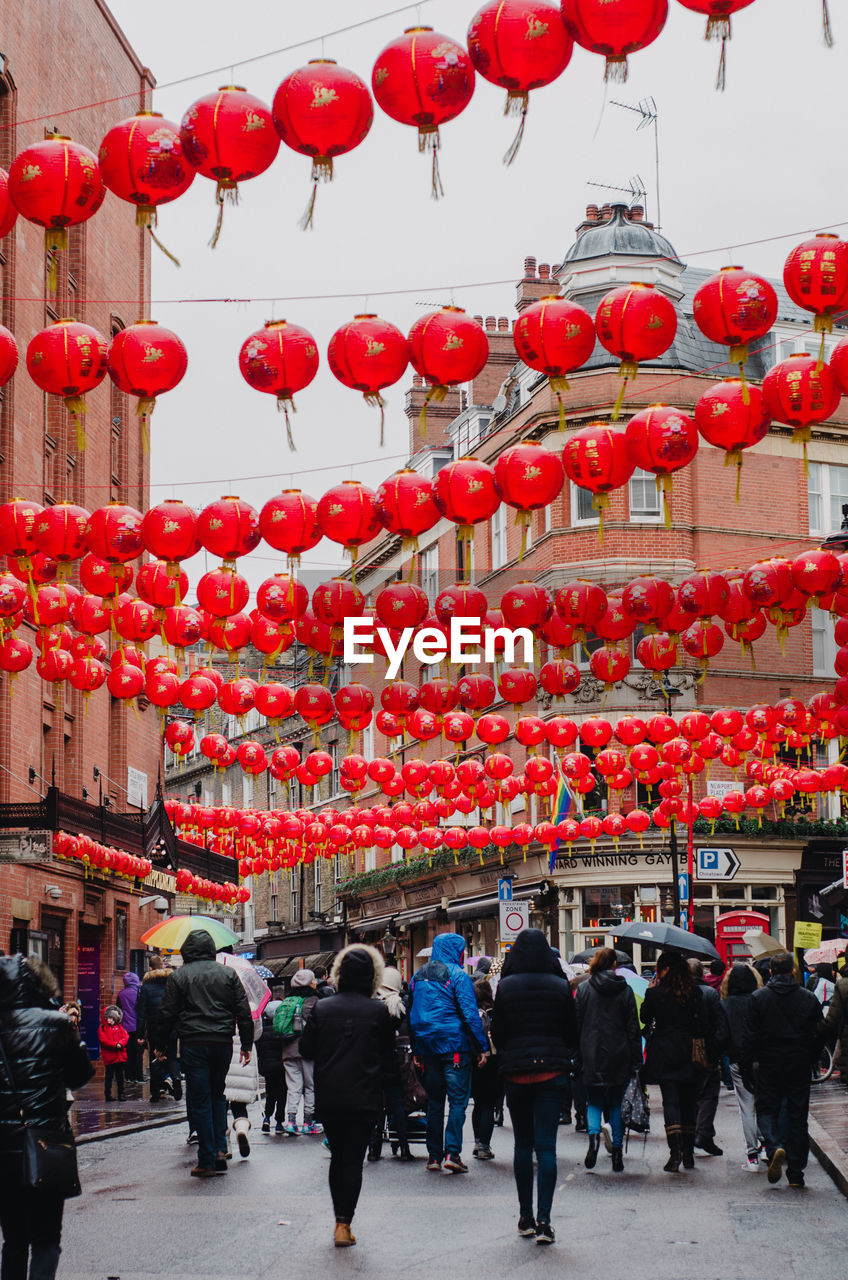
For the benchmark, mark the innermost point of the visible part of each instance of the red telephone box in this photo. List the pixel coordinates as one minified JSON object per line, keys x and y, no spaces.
{"x":730,"y":933}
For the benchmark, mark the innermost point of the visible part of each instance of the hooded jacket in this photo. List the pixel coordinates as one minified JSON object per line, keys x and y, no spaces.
{"x":784,"y":1029}
{"x":148,"y":1003}
{"x":269,"y":1046}
{"x":204,"y":1001}
{"x":127,"y":1000}
{"x":113,"y":1037}
{"x":534,"y":1024}
{"x":741,"y":985}
{"x":45,"y":1057}
{"x":350,"y":1038}
{"x":608,"y":1026}
{"x":443,"y":1014}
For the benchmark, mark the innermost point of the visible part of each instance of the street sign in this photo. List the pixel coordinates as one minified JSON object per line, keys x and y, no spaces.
{"x":845,"y":868}
{"x":683,"y":886}
{"x":514,"y":918}
{"x":807,"y":934}
{"x":716,"y":864}
{"x":32,"y":846}
{"x":505,"y":889}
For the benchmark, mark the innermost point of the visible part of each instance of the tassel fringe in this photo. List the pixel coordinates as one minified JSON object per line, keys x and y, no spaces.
{"x":161,"y":247}
{"x":226,"y":192}
{"x":616,"y":69}
{"x":827,"y":30}
{"x":374,"y":398}
{"x":428,"y":140}
{"x":721,"y":74}
{"x":306,"y":222}
{"x":284,"y":404}
{"x":517,"y":101}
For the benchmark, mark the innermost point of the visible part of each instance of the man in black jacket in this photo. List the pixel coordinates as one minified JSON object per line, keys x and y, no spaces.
{"x":708,"y":1078}
{"x":202,"y":1004}
{"x":783,"y":1035}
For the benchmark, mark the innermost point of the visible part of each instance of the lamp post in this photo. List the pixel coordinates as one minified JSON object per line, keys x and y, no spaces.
{"x":667,"y":692}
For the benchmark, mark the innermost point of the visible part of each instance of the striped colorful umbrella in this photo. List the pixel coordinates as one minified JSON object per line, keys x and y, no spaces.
{"x":170,"y":934}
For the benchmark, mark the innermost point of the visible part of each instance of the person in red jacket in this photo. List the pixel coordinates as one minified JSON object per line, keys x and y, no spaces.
{"x":113,"y":1049}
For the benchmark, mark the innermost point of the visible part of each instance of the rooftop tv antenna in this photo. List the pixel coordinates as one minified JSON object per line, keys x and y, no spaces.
{"x":648,"y":118}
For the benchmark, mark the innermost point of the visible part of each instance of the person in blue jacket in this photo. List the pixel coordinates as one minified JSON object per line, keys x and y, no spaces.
{"x":445,"y":1032}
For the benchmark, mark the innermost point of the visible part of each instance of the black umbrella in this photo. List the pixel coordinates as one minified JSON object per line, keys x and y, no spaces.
{"x":668,"y":936}
{"x":585,"y":957}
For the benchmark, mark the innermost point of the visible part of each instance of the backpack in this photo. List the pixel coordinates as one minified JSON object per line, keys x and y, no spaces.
{"x":288,"y":1019}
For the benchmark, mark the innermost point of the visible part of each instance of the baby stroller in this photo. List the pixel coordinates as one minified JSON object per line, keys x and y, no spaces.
{"x":405,"y":1107}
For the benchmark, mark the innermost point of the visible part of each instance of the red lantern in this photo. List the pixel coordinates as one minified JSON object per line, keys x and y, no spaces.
{"x":405,"y":506}
{"x":169,"y":532}
{"x":281,"y":598}
{"x":347,"y":515}
{"x":734,"y":308}
{"x":146,"y":360}
{"x":559,"y":678}
{"x":198,"y":693}
{"x":368,"y":355}
{"x":68,"y":359}
{"x":279,"y":359}
{"x":718,"y":25}
{"x":446,"y":347}
{"x":493,"y":729}
{"x":56,"y":184}
{"x":556,"y":337}
{"x":519,"y":45}
{"x":614,"y":28}
{"x":466,"y":492}
{"x":526,"y":605}
{"x":142,"y":161}
{"x":314,"y":704}
{"x":460,"y":601}
{"x":8,"y":212}
{"x":648,"y":600}
{"x":60,"y":533}
{"x":125,"y":681}
{"x":424,"y":79}
{"x":702,"y":641}
{"x":581,"y":604}
{"x":800,"y":391}
{"x":182,"y":626}
{"x":113,"y":534}
{"x":816,"y":278}
{"x":657,"y":652}
{"x":476,"y":692}
{"x":222,"y":592}
{"x":635,"y":322}
{"x":228,"y":528}
{"x":322,"y":110}
{"x":15,"y":654}
{"x":662,"y":440}
{"x":596,"y":458}
{"x":228,"y":136}
{"x":732,"y":416}
{"x":289,"y":523}
{"x":609,"y":665}
{"x":528,"y":478}
{"x":704,"y":593}
{"x":8,"y":353}
{"x":401,"y":604}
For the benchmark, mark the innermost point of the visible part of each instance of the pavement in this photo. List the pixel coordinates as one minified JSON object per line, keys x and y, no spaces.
{"x":141,"y":1217}
{"x":93,"y":1118}
{"x":828,"y":1127}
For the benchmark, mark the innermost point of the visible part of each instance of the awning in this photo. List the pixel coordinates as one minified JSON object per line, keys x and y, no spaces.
{"x":285,"y":967}
{"x":373,"y":924}
{"x":415,"y":915}
{"x":473,"y":908}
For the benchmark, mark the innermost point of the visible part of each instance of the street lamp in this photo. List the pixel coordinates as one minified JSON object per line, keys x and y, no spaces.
{"x":389,"y":942}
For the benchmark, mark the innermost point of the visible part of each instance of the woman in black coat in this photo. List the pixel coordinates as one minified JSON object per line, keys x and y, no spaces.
{"x":350,"y":1038}
{"x":534,"y":1028}
{"x":610,"y":1051}
{"x":673,"y":1017}
{"x":45,"y":1058}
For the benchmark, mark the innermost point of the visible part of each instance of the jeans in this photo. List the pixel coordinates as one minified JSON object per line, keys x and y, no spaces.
{"x":604,"y":1101}
{"x":783,"y":1103}
{"x":535,"y":1110}
{"x":275,"y":1095}
{"x":32,"y":1229}
{"x":348,"y":1136}
{"x":747,"y":1110}
{"x":300,"y":1076}
{"x":446,"y":1077}
{"x":114,"y":1071}
{"x":680,"y":1104}
{"x":709,"y":1087}
{"x":205,"y":1067}
{"x":486,"y":1090}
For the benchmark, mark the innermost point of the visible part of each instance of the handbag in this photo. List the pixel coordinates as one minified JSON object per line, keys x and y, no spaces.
{"x":699,"y":1045}
{"x":49,"y":1155}
{"x":635,"y":1107}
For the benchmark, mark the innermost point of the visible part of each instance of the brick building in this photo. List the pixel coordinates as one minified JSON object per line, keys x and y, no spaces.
{"x":49,"y":68}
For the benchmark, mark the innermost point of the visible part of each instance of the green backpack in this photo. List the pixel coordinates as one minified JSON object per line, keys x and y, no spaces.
{"x":288,"y":1019}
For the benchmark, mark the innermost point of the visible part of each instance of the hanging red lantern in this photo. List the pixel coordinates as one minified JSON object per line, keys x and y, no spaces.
{"x":405,"y":505}
{"x":222,"y":592}
{"x":237,"y":697}
{"x":614,"y":28}
{"x":141,"y":161}
{"x":322,"y":110}
{"x":609,"y":665}
{"x":596,"y":458}
{"x":169,"y":532}
{"x":289,"y":523}
{"x":125,"y":681}
{"x":734,"y":308}
{"x":492,"y":729}
{"x":275,"y":702}
{"x":145,"y":360}
{"x":526,"y":605}
{"x":401,"y":604}
{"x":519,"y":45}
{"x":136,"y":621}
{"x":769,"y":582}
{"x":476,"y":692}
{"x":181,"y":626}
{"x":8,"y":212}
{"x":270,"y":638}
{"x":424,"y":79}
{"x":230,"y":633}
{"x":68,"y":359}
{"x":446,"y":347}
{"x":702,"y":641}
{"x":718,"y":25}
{"x":529,"y":478}
{"x":281,"y":598}
{"x":732,"y":416}
{"x":56,"y":184}
{"x":816,"y":572}
{"x":616,"y":624}
{"x":636,"y":322}
{"x":704,"y":593}
{"x":314,"y":704}
{"x":554,"y":336}
{"x":460,"y":601}
{"x":279,"y":359}
{"x":198,"y":693}
{"x":662,"y":440}
{"x":8,"y":354}
{"x":368,"y":355}
{"x":347,"y":515}
{"x":113,"y":534}
{"x":466,"y":492}
{"x":228,"y":528}
{"x":657,"y":652}
{"x":581,"y":604}
{"x":802,"y":392}
{"x":60,"y":532}
{"x":228,"y":136}
{"x":816,"y":278}
{"x":18,"y":520}
{"x":648,"y":600}
{"x":334,"y":601}
{"x":15,"y":655}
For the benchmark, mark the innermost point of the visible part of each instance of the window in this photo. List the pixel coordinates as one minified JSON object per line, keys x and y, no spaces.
{"x":548,"y":518}
{"x":498,"y":532}
{"x":317,"y":867}
{"x":584,"y":651}
{"x":370,"y":859}
{"x":335,"y":784}
{"x":293,"y":906}
{"x":274,"y":886}
{"x":827,"y":491}
{"x":607,"y":904}
{"x":428,"y":561}
{"x":644,"y":497}
{"x":582,"y":511}
{"x":247,"y":791}
{"x":226,"y":793}
{"x":368,"y":742}
{"x":824,"y":642}
{"x":120,"y":938}
{"x":805,"y":345}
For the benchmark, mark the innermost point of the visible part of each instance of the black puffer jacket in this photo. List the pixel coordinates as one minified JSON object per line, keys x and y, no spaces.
{"x":608,"y":1025}
{"x":669,"y":1030}
{"x":785,"y":1027}
{"x":204,"y":1000}
{"x":534,"y":1025}
{"x":45,"y":1057}
{"x":741,"y":985}
{"x":269,"y":1046}
{"x":148,"y":1003}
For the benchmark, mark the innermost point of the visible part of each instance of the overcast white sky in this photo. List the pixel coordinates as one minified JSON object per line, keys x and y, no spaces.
{"x":761,"y":160}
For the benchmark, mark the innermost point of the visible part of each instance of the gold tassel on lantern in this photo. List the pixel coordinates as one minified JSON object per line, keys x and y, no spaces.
{"x":516,"y":105}
{"x":322,"y":171}
{"x":436,"y":393}
{"x":376,"y":400}
{"x":428,"y":140}
{"x":284,"y":403}
{"x":615,"y":72}
{"x":600,"y":503}
{"x":76,"y":408}
{"x":733,"y":458}
{"x":558,"y":385}
{"x":522,"y":520}
{"x":55,"y":240}
{"x":626,"y":370}
{"x":227,"y":190}
{"x":826,"y":28}
{"x":665,"y":486}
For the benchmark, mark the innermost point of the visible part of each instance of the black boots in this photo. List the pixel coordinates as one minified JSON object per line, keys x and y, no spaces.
{"x":617,"y":1160}
{"x":675,"y":1151}
{"x":591,"y":1158}
{"x":688,"y":1149}
{"x":580,"y":1121}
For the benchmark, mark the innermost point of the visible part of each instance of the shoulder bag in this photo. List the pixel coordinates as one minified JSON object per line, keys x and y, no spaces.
{"x":49,"y":1155}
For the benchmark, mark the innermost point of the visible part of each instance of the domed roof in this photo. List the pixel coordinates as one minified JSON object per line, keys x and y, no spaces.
{"x":619,"y":235}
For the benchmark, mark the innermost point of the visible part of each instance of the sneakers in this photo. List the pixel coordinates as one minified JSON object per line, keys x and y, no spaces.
{"x":241,"y":1126}
{"x":434,"y":1165}
{"x":454,"y":1164}
{"x":795,"y":1179}
{"x":544,"y":1233}
{"x":606,"y":1134}
{"x":343,"y":1237}
{"x":278,"y":1128}
{"x":291,"y":1129}
{"x":311,"y":1127}
{"x":708,"y":1145}
{"x":200,"y":1171}
{"x":752,"y":1164}
{"x":192,"y":1137}
{"x":266,"y":1125}
{"x":775,"y":1165}
{"x":526,"y":1225}
{"x":485,"y":1152}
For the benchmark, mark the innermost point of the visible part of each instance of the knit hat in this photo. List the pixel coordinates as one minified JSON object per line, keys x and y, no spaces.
{"x":303,"y":978}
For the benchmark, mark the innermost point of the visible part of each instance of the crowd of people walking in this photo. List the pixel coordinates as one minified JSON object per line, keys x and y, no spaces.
{"x":363,"y":1055}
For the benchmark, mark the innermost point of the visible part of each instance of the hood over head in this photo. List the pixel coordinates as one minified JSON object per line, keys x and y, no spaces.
{"x":358,"y":968}
{"x":132,"y":980}
{"x":741,"y":980}
{"x":607,"y":983}
{"x":448,"y":947}
{"x":392,"y":981}
{"x":531,"y":953}
{"x":25,"y":984}
{"x":199,"y":945}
